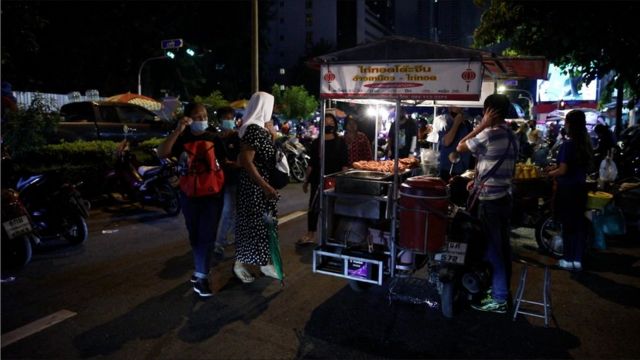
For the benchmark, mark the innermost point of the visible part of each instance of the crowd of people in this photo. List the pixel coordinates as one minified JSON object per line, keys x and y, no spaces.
{"x":246,"y":154}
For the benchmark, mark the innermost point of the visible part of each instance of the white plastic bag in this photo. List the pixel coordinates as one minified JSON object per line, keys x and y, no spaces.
{"x":608,"y":169}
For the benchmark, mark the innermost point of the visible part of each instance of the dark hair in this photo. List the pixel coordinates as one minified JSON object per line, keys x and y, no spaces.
{"x":191,"y":107}
{"x":224,"y":111}
{"x":500,"y":103}
{"x":335,"y":120}
{"x":577,"y":131}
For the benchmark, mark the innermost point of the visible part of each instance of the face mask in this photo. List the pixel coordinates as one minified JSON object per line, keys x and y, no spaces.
{"x":199,"y":126}
{"x":228,"y":124}
{"x":329,"y":129}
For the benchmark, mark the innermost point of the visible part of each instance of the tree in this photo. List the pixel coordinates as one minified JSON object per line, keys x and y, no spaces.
{"x":215,"y":100}
{"x":592,"y":38}
{"x":294,"y":101}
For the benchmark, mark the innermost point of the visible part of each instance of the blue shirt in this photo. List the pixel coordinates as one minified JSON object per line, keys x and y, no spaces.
{"x":576,"y":174}
{"x":465,"y":158}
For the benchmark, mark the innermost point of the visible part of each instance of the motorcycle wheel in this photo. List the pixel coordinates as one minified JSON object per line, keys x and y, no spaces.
{"x":549,"y":236}
{"x":76,"y":231}
{"x":297,"y":171}
{"x":447,"y":298}
{"x":359,"y":286}
{"x":169,"y":198}
{"x":16,"y":253}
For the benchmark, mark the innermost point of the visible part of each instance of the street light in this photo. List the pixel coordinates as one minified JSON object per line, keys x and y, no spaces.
{"x":142,"y":65}
{"x":502,"y":89}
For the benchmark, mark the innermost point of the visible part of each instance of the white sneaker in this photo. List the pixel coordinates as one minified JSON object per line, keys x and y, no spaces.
{"x":564,"y":264}
{"x":577,"y":265}
{"x":270,"y":271}
{"x":242,"y":273}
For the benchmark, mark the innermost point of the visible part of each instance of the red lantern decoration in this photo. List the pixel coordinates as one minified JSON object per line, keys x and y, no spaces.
{"x":468,"y":76}
{"x":329,"y":76}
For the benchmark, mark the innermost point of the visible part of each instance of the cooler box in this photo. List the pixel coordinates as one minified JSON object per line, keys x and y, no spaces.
{"x":423,"y":205}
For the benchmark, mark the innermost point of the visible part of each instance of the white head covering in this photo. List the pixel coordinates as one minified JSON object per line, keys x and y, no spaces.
{"x":258,"y":111}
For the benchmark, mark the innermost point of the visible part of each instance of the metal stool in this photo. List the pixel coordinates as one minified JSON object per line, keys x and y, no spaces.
{"x":546,"y":297}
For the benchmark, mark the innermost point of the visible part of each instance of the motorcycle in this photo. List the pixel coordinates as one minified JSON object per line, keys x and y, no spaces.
{"x":297,"y":158}
{"x":17,"y":232}
{"x":148,"y":185}
{"x":56,"y":208}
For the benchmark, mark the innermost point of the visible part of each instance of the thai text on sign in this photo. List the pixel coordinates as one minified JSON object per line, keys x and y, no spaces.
{"x":444,"y":80}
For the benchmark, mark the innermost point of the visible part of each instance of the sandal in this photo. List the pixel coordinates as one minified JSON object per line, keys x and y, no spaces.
{"x":270,"y":271}
{"x":242,"y":273}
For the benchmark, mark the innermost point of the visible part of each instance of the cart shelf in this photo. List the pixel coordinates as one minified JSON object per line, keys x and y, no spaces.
{"x":349,"y":264}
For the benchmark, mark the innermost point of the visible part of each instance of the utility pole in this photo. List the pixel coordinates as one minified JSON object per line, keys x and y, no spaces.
{"x":254,"y":47}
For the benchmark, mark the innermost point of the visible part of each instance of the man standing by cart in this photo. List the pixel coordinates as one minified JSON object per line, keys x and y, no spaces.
{"x":493,"y":143}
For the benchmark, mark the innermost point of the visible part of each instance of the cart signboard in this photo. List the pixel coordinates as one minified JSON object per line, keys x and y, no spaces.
{"x":455,"y":253}
{"x":433,"y":80}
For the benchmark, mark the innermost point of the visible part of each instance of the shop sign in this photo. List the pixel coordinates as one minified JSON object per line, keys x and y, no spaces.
{"x":443,"y":80}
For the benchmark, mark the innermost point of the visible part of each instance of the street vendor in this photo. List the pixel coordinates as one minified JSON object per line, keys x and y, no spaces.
{"x":407,"y":137}
{"x":457,"y":128}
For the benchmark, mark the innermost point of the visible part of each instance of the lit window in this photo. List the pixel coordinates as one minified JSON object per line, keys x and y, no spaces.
{"x":309,"y":20}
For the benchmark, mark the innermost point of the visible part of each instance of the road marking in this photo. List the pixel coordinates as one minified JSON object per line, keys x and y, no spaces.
{"x":36,"y":326}
{"x":292,"y":216}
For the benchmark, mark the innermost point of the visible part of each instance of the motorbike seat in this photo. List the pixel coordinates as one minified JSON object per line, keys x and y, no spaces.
{"x":148,"y":170}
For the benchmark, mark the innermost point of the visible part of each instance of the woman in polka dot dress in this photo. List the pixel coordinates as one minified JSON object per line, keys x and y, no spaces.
{"x":255,"y":196}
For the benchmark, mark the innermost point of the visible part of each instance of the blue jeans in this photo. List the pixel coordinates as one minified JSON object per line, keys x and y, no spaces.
{"x":227,"y":219}
{"x":495,"y":217}
{"x":201,"y":215}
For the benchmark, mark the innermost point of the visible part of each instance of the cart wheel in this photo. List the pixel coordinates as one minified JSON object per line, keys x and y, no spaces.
{"x":359,"y":286}
{"x":548,"y":236}
{"x":447,"y":299}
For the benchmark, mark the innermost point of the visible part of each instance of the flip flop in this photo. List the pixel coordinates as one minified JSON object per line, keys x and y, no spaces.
{"x":305,"y":241}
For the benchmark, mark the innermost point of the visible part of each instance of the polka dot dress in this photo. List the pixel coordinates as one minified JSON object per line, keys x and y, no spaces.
{"x":252,"y":242}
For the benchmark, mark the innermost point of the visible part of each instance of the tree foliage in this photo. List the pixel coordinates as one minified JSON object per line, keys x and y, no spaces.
{"x":29,"y":129}
{"x":215,"y":100}
{"x":294,"y":101}
{"x":593,"y":38}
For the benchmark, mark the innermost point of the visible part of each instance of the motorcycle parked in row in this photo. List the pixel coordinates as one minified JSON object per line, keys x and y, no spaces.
{"x":296,"y":157}
{"x":148,"y":185}
{"x":42,"y":208}
{"x":17,"y":232}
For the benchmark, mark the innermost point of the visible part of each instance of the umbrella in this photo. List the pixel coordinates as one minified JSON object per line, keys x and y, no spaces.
{"x":274,"y":245}
{"x":239,"y":104}
{"x":144,"y":101}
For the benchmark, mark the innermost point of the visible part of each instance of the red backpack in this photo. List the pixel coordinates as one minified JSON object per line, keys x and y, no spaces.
{"x":203,"y":175}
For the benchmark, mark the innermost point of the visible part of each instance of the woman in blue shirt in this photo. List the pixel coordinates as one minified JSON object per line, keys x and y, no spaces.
{"x":574,"y":159}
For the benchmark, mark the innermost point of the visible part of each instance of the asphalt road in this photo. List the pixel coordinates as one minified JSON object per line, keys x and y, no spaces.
{"x":126,"y":295}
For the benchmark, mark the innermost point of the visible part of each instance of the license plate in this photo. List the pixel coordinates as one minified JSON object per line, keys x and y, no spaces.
{"x":16,"y":227}
{"x":454,"y":254}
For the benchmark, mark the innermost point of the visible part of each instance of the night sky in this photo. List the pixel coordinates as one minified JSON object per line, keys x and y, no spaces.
{"x":64,"y":46}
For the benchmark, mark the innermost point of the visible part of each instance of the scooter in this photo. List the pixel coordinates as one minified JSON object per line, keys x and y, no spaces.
{"x":148,"y":185}
{"x":297,"y":158}
{"x":56,"y":208}
{"x":17,"y":232}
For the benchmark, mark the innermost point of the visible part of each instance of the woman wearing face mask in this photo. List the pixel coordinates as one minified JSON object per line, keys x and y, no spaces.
{"x":336,"y":160}
{"x":201,"y":214}
{"x":229,"y":137}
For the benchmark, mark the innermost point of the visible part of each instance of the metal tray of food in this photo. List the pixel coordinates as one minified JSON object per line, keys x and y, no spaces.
{"x":363,"y":182}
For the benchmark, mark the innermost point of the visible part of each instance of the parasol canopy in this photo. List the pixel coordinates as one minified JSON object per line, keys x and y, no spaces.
{"x":141,"y":100}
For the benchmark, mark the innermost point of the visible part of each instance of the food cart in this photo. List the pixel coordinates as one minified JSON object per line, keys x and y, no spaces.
{"x":375,"y":223}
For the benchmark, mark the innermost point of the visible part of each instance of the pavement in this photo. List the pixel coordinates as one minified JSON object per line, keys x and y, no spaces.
{"x":127,"y":295}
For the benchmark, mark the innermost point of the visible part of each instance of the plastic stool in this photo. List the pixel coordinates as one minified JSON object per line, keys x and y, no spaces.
{"x":546,"y":297}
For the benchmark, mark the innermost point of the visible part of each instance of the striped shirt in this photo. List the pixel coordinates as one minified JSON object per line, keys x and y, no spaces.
{"x":489,"y":146}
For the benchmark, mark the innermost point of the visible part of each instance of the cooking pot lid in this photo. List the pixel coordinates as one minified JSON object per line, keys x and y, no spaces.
{"x":425,"y":181}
